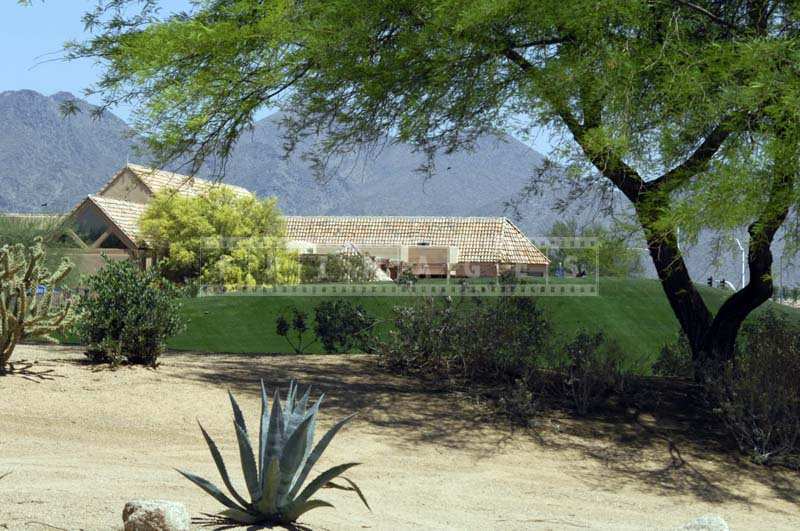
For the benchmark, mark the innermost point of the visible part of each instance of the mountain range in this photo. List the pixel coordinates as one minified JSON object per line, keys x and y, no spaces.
{"x":48,"y":162}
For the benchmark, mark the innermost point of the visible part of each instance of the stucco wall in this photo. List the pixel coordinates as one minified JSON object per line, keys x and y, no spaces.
{"x":127,"y":187}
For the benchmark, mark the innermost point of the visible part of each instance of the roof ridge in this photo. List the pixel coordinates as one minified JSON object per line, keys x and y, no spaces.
{"x":368,"y":216}
{"x":200,"y":180}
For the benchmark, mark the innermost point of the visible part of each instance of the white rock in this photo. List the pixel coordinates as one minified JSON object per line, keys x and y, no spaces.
{"x":155,"y":515}
{"x":709,"y":522}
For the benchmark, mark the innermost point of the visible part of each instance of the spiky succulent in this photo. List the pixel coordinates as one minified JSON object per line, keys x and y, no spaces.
{"x":285,"y":460}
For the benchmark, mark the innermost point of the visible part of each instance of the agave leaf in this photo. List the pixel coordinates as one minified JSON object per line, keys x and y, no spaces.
{"x":239,"y":516}
{"x":302,"y":405}
{"x":289,"y":407}
{"x":321,"y":480}
{"x":319,"y":449}
{"x":274,"y":433}
{"x":269,"y":498}
{"x":312,"y":413}
{"x":223,"y":472}
{"x":210,"y":488}
{"x":238,"y":418}
{"x":300,"y":509}
{"x":352,"y":488}
{"x":248,"y":463}
{"x":292,"y":420}
{"x":293,"y":455}
{"x":245,"y":451}
{"x":262,"y":434}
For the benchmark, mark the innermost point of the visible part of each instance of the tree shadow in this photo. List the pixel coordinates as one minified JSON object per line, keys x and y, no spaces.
{"x":219,"y":523}
{"x":28,"y":370}
{"x":409,"y":412}
{"x":662,"y":437}
{"x":666,"y":439}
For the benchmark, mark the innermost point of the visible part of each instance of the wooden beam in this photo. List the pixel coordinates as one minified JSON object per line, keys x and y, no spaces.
{"x":103,"y":237}
{"x":77,"y":239}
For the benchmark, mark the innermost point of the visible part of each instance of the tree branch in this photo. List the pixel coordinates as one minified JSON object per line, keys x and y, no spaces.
{"x":607,"y":162}
{"x":695,"y":163}
{"x":708,"y":14}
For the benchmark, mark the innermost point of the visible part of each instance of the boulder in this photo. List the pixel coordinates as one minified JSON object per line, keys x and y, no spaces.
{"x":155,"y":515}
{"x":709,"y":522}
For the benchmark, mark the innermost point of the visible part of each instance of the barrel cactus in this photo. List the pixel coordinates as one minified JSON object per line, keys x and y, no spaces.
{"x":26,"y":297}
{"x":285,"y":459}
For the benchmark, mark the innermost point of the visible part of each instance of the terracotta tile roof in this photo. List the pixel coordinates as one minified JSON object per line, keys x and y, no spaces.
{"x":158,"y":180}
{"x":124,"y":214}
{"x":477,"y":239}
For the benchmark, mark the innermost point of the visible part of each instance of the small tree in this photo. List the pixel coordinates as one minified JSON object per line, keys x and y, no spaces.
{"x":293,"y":332}
{"x":26,"y":297}
{"x":220,"y":238}
{"x":134,"y":310}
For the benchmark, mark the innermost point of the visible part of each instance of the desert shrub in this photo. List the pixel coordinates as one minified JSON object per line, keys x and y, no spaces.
{"x":493,"y":340}
{"x":758,"y":395}
{"x":520,"y":401}
{"x":342,"y":326}
{"x":294,"y":330}
{"x":675,"y":359}
{"x":591,"y":369}
{"x":132,"y":310}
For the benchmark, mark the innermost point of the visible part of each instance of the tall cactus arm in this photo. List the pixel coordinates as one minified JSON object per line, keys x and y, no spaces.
{"x":22,"y":312}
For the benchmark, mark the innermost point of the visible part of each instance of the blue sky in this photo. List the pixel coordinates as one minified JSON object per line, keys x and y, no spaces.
{"x":32,"y":37}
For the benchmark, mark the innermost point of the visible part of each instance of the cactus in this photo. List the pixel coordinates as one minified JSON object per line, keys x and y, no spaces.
{"x":23,"y":313}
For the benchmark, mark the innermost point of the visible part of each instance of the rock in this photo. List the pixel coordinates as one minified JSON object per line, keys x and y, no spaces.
{"x":709,"y":522}
{"x":155,"y":515}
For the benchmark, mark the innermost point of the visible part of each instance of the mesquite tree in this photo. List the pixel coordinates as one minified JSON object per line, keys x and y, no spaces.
{"x":688,"y":109}
{"x":26,"y":297}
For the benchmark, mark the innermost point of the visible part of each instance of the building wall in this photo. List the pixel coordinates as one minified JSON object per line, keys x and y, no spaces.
{"x":127,"y":187}
{"x":89,"y":261}
{"x":486,"y":269}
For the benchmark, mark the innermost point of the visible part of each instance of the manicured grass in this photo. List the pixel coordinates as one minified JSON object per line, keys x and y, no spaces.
{"x":633,"y":311}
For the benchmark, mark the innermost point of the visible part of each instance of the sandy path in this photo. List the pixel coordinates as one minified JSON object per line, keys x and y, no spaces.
{"x":89,"y":440}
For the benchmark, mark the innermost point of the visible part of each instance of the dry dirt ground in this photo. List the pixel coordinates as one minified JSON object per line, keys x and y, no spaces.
{"x":83,"y":443}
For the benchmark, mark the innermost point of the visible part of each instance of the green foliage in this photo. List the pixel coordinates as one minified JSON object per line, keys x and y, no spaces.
{"x":337,"y":267}
{"x":128,"y":311}
{"x":675,"y":359}
{"x":343,"y":267}
{"x":494,"y":340}
{"x":611,"y":253}
{"x":758,"y":395}
{"x":276,"y":471}
{"x":25,"y":229}
{"x":25,"y":313}
{"x":342,"y":326}
{"x":293,"y":332}
{"x":591,"y":369}
{"x":219,"y":238}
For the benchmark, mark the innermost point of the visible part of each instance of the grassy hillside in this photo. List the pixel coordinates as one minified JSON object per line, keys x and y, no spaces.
{"x":635,"y":312}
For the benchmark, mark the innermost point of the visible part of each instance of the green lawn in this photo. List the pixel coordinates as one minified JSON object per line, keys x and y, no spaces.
{"x":633,"y":311}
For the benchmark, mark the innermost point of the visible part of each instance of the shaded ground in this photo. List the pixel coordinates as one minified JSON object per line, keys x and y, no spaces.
{"x":82,"y":444}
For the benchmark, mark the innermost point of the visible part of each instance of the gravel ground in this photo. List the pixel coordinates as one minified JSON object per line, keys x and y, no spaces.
{"x":87,"y":440}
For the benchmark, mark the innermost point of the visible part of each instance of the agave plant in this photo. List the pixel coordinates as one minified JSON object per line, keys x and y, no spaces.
{"x":285,"y":460}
